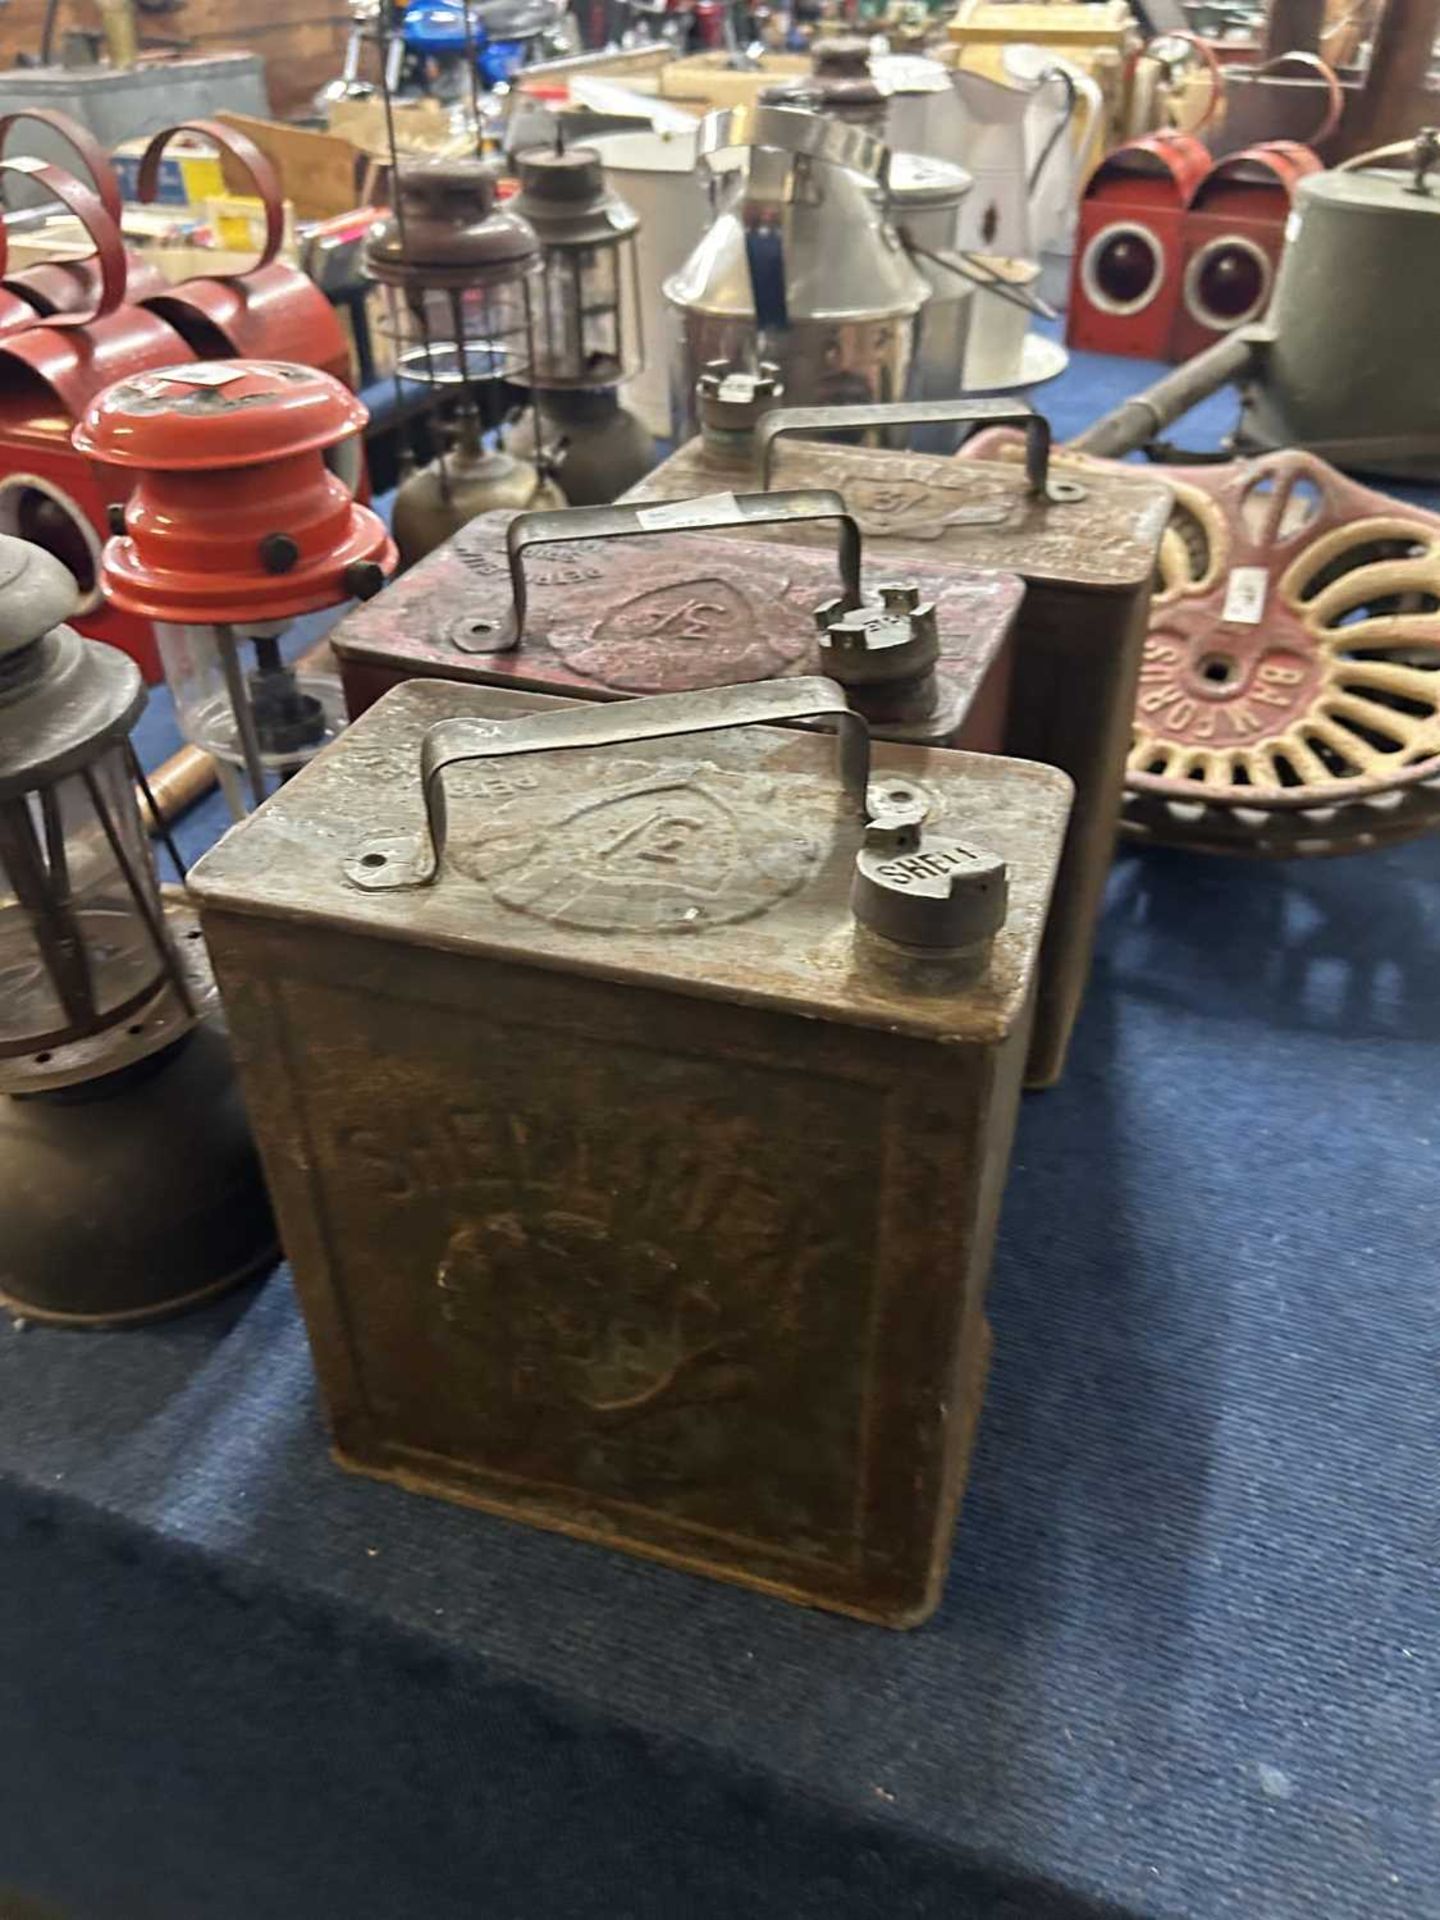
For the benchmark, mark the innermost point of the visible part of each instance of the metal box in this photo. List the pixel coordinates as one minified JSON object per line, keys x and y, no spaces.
{"x":1087,"y":553}
{"x":632,"y":1188}
{"x":564,"y":603}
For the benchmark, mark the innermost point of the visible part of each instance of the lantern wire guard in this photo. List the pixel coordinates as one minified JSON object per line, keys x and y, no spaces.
{"x":129,"y":1186}
{"x":461,"y":277}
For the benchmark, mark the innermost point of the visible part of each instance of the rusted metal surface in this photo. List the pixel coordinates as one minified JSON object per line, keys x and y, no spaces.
{"x":1292,"y":664}
{"x":1289,"y":697}
{"x":604,"y":619}
{"x":669,"y":1232}
{"x":1087,"y":563}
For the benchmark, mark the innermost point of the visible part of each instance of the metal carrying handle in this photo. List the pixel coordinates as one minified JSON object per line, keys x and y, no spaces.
{"x":788,"y":130}
{"x":1420,"y":153}
{"x":1331,"y":119}
{"x":83,"y":143}
{"x":416,"y":860}
{"x":263,"y":178}
{"x":548,"y":526}
{"x":901,"y":413}
{"x":1213,"y":70}
{"x":89,"y":210}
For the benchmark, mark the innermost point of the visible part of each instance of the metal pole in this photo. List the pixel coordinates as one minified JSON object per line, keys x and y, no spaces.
{"x":244,"y":716}
{"x":1293,"y":26}
{"x":1235,"y":357}
{"x":1391,"y":102}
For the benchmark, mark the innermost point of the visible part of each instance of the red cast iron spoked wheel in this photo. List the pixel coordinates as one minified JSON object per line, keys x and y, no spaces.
{"x":1289,"y":700}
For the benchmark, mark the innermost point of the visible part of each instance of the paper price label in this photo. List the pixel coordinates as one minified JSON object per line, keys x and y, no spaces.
{"x":711,"y":510}
{"x":1245,"y":592}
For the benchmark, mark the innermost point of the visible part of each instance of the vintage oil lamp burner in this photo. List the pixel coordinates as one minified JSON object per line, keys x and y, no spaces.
{"x":657,"y":1097}
{"x":462,"y":277}
{"x":236,"y":526}
{"x":800,"y":264}
{"x":128,"y":1183}
{"x":587,"y":334}
{"x":1086,"y":546}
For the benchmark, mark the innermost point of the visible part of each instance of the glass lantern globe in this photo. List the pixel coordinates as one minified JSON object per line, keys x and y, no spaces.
{"x":587,"y":328}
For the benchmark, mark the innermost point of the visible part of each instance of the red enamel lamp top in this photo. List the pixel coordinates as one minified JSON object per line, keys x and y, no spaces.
{"x":217,"y":414}
{"x":235,"y":513}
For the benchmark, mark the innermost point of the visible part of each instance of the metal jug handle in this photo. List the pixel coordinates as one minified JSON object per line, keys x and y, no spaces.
{"x":1420,"y":153}
{"x":548,"y":526}
{"x":1335,"y":98}
{"x":899,"y":413}
{"x":1214,"y":72}
{"x":264,"y":181}
{"x":89,"y":210}
{"x":414,"y":860}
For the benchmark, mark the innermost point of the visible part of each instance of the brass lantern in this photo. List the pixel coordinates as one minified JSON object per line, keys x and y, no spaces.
{"x":461,"y":277}
{"x":587,"y":335}
{"x":128,"y":1183}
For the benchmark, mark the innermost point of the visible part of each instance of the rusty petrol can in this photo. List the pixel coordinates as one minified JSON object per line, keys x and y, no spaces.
{"x":1087,"y":550}
{"x":573,"y":603}
{"x":637,"y":1117}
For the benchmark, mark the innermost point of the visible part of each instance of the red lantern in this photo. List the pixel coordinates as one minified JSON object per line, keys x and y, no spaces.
{"x":1233,"y":237}
{"x":270,"y":311}
{"x":238,"y":522}
{"x":1125,"y":289}
{"x":49,"y":370}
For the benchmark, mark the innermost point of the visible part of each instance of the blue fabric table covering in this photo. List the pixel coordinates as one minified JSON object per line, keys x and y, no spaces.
{"x":1187,"y":1661}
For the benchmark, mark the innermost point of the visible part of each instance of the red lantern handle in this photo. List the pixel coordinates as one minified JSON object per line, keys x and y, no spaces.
{"x":263,"y":178}
{"x":89,"y":210}
{"x":1207,"y":56}
{"x":1332,"y":83}
{"x":92,"y":155}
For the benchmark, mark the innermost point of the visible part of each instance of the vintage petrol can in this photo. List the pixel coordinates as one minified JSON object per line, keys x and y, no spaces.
{"x":573,"y":603}
{"x":637,"y":1117}
{"x":1087,"y":553}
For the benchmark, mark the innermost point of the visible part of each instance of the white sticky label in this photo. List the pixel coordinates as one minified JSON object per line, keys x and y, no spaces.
{"x":1245,"y":596}
{"x":27,"y":165}
{"x":205,"y":376}
{"x":711,"y":510}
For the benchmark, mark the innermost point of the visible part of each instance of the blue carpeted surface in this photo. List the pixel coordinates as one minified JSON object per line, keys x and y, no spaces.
{"x":1187,"y":1663}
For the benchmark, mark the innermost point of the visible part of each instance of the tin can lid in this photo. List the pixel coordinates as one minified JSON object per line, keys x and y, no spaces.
{"x":1370,"y":191}
{"x":211,"y":416}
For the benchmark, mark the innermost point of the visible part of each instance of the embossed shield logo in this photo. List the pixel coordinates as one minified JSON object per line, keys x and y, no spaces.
{"x":689,"y":633}
{"x":671,"y":849}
